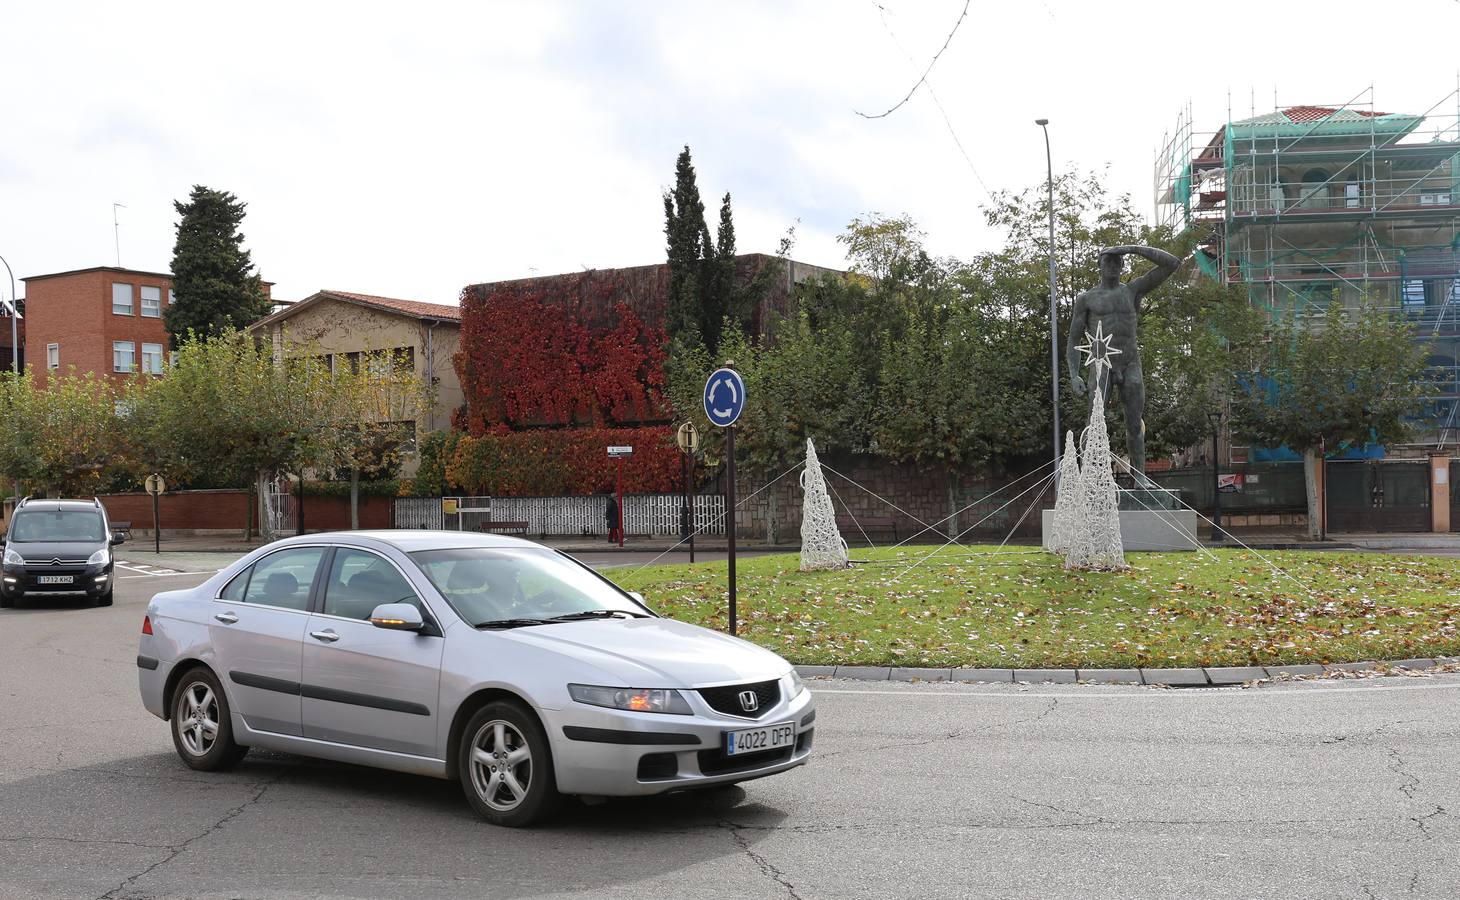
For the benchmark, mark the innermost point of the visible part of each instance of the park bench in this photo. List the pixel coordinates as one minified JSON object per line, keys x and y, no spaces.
{"x":503,"y":527}
{"x":859,"y":525}
{"x":124,"y":526}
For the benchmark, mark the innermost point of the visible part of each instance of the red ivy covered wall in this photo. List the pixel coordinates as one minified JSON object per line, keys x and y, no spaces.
{"x":564,"y":461}
{"x":556,"y":369}
{"x":580,"y":349}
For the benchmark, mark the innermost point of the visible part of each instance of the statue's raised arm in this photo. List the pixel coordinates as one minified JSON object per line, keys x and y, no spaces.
{"x":1165,"y":267}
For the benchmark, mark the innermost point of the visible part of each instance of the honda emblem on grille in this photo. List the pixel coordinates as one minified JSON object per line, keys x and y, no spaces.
{"x":749,"y":701}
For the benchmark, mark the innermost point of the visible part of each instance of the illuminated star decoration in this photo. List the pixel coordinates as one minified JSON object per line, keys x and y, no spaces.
{"x":1097,"y":348}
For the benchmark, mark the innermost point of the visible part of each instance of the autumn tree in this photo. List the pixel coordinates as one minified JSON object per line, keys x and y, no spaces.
{"x":61,"y":438}
{"x":1343,"y":376}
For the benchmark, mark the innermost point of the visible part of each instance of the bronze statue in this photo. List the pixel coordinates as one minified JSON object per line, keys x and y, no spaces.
{"x":1117,"y":308}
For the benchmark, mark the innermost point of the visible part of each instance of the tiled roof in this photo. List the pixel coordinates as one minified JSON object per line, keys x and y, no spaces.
{"x":410,"y":307}
{"x":1304,"y":115}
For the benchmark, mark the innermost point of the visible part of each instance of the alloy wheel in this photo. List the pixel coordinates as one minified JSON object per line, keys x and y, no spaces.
{"x":197,"y":719}
{"x":501,"y":765}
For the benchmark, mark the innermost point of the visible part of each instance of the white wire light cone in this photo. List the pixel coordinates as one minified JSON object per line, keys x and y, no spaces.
{"x":1095,"y":543}
{"x":822,"y":546}
{"x":1062,"y":529}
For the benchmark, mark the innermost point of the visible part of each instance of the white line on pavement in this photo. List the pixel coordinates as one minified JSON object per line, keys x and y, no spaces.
{"x":1287,"y":689}
{"x":165,"y":574}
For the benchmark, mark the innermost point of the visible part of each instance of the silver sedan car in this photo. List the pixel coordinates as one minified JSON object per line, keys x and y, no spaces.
{"x":498,"y":662}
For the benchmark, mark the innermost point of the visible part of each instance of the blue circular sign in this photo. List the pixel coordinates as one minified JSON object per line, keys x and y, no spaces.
{"x":724,"y":397}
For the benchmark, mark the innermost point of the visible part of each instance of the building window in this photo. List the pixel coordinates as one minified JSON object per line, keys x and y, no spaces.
{"x":124,"y":356}
{"x":151,"y":302}
{"x":53,"y":356}
{"x":171,"y":297}
{"x":121,"y":299}
{"x":152,"y":359}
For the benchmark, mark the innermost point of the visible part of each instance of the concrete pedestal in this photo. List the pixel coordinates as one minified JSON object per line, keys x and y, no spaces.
{"x":1162,"y":529}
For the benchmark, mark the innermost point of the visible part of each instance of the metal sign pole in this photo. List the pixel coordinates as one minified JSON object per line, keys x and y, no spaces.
{"x":689,"y":487}
{"x":620,"y":481}
{"x":156,"y":525}
{"x":724,"y":401}
{"x":730,"y":514}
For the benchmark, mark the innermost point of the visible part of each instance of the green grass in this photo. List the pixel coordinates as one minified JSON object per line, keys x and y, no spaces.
{"x":1018,"y":608}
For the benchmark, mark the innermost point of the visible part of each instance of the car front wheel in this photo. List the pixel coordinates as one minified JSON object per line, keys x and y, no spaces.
{"x":202,"y":731}
{"x":505,"y":766}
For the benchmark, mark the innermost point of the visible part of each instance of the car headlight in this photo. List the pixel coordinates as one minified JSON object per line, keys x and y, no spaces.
{"x":100,"y":557}
{"x":654,"y":700}
{"x":12,"y":558}
{"x":797,"y":685}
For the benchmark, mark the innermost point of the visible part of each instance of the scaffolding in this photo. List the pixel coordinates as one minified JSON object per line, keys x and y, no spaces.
{"x":1316,"y":204}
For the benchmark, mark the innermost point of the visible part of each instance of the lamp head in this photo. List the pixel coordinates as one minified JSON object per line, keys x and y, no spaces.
{"x":1041,"y":122}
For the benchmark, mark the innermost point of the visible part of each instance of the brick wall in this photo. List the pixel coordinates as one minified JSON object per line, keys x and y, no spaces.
{"x":227,"y":511}
{"x":75,"y":311}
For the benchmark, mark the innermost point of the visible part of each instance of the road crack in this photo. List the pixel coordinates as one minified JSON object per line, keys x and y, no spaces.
{"x":766,"y":867}
{"x":69,"y":840}
{"x":1409,"y":782}
{"x":178,"y":849}
{"x":1422,"y":822}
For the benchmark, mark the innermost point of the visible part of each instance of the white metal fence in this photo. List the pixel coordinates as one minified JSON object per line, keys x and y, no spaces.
{"x":651,"y":514}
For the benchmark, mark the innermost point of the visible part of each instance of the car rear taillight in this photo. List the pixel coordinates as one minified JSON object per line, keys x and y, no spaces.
{"x":146,"y":624}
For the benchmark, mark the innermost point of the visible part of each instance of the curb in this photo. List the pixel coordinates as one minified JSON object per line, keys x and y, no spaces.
{"x":1189,"y":677}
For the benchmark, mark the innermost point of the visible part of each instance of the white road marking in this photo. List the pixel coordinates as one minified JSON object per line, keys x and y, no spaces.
{"x":166,"y":574}
{"x":1268,"y":690}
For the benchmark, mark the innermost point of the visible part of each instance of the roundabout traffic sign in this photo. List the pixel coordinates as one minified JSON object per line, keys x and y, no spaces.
{"x":724,"y":397}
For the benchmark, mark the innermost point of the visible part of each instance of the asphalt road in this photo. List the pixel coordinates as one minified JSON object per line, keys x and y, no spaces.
{"x":1343,"y":789}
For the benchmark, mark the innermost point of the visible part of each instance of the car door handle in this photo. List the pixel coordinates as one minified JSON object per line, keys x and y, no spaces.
{"x":329,"y":637}
{"x":226,"y":618}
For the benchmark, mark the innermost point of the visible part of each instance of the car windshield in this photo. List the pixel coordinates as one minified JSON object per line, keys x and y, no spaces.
{"x":519,"y":585}
{"x":59,"y":525}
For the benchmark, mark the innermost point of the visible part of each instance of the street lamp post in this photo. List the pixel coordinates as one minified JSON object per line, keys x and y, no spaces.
{"x":1216,"y":419}
{"x":14,"y":345}
{"x":1054,"y":329}
{"x":14,"y":326}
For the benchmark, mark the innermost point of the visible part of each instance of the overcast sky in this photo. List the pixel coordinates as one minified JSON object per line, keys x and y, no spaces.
{"x":409,"y":149}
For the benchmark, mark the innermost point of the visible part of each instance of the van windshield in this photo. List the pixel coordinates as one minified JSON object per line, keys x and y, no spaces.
{"x":60,"y":525}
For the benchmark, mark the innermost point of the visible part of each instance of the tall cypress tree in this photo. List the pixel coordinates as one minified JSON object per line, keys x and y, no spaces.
{"x":686,"y":234}
{"x":720,"y":300}
{"x":213,"y":276}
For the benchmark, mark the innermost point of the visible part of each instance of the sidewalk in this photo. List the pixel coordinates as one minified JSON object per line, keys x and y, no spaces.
{"x":1298,"y":540}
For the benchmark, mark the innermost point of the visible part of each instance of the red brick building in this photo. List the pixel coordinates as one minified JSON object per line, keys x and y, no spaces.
{"x":103,"y":319}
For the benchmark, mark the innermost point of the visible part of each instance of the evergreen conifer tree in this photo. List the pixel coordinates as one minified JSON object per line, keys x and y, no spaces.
{"x":213,"y":277}
{"x":685,"y":234}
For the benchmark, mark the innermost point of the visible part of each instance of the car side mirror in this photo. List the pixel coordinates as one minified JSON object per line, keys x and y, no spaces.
{"x":397,"y":617}
{"x":118,"y":537}
{"x":639,"y":598}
